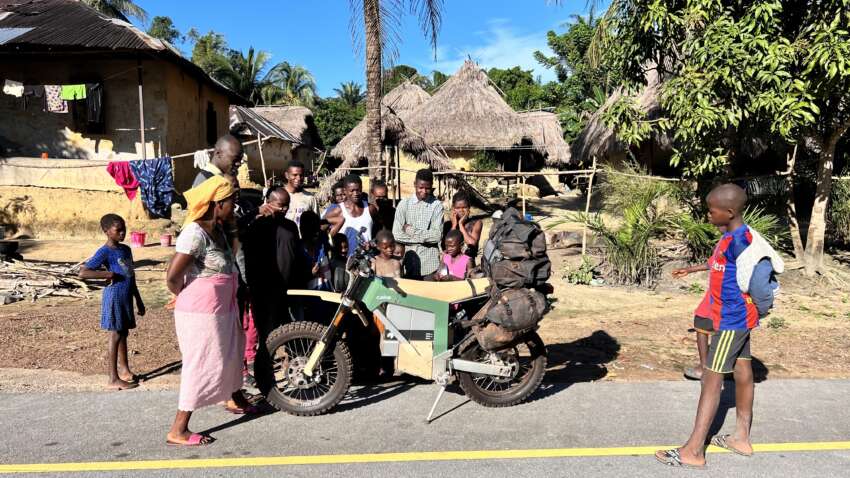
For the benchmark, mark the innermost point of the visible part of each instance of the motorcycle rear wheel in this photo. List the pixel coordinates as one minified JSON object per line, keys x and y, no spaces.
{"x":293,"y":393}
{"x":527,"y":356}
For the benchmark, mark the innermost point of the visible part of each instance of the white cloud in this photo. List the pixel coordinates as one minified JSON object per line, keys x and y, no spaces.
{"x":500,"y":46}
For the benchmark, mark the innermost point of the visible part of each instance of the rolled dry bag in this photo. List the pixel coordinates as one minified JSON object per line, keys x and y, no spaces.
{"x":518,"y":309}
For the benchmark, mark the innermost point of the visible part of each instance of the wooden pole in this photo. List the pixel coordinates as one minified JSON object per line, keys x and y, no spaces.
{"x":521,"y":181}
{"x":587,"y":208}
{"x":141,"y":112}
{"x":262,"y":160}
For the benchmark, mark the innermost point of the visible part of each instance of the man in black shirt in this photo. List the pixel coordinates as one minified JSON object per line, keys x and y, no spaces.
{"x":273,"y":265}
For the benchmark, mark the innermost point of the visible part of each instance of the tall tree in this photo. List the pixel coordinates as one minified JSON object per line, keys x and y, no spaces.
{"x":351,"y":93}
{"x":122,"y":9}
{"x":731,"y":68}
{"x":290,"y":85}
{"x":520,"y":88}
{"x":164,"y":29}
{"x":244,"y":74}
{"x":379,"y":19}
{"x":335,"y":118}
{"x":210,"y":52}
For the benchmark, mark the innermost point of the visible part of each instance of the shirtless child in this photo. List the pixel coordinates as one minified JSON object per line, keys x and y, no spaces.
{"x":385,"y":263}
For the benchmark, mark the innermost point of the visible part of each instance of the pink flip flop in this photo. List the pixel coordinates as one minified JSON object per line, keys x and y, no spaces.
{"x":195,"y":439}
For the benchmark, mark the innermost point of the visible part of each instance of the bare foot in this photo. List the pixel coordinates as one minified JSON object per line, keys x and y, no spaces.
{"x":121,"y":385}
{"x":127,"y":376}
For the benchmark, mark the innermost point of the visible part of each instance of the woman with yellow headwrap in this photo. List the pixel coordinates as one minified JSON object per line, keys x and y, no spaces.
{"x":203,"y":276}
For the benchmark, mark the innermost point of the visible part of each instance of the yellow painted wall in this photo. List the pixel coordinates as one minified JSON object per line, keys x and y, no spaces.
{"x":187,"y":100}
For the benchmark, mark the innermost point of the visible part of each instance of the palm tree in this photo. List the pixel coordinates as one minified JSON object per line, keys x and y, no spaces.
{"x":351,"y":93}
{"x":244,"y":73}
{"x":282,"y":84}
{"x":290,"y":85}
{"x":122,"y":9}
{"x":380,"y":20}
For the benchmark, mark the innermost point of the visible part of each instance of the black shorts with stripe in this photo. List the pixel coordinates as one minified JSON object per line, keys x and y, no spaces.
{"x":726,"y":347}
{"x":704,"y":325}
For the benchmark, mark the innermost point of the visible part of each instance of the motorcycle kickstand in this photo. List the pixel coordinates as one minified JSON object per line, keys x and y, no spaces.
{"x":434,"y":407}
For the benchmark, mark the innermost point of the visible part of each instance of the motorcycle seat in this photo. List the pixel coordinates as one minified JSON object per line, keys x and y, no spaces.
{"x":454,"y":291}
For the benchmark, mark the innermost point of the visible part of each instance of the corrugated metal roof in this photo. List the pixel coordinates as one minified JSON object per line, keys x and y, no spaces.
{"x":70,"y":25}
{"x":240,"y":115}
{"x":8,"y":34}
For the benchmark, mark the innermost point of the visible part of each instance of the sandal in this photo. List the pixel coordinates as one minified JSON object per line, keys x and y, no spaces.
{"x":673,"y":458}
{"x":693,"y":373}
{"x":195,"y":439}
{"x":722,"y":441}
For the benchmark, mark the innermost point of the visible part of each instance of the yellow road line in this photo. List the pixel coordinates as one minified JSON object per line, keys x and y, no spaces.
{"x":390,"y":457}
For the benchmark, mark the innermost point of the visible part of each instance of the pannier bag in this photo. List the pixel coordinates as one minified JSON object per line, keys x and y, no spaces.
{"x":515,"y":253}
{"x":518,"y":309}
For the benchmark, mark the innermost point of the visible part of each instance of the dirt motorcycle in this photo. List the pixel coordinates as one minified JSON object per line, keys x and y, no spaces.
{"x":426,"y":329}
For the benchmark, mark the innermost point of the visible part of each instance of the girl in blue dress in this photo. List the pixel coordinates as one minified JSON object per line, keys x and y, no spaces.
{"x":116,"y":313}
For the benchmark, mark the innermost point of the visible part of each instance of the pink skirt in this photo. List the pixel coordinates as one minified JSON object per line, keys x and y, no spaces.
{"x":211,"y":341}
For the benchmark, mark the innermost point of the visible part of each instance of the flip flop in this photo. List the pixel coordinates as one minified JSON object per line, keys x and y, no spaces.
{"x":673,"y":458}
{"x":722,"y":441}
{"x":693,"y":373}
{"x":195,"y":439}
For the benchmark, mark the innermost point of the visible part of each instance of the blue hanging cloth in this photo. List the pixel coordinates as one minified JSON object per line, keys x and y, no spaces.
{"x":155,"y":183}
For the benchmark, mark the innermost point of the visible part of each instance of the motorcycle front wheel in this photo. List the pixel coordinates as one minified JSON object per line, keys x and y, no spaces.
{"x":527,"y":359}
{"x":295,"y":393}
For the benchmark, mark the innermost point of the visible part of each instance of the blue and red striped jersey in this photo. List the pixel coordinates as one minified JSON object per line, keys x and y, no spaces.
{"x":731,"y":309}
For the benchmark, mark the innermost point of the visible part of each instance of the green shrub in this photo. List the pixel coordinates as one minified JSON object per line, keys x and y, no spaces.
{"x":776,"y":323}
{"x":630,"y":255}
{"x":583,"y":274}
{"x":618,"y":191}
{"x":699,"y":236}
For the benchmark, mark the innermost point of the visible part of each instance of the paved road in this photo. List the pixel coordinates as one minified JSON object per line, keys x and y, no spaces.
{"x":564,"y":428}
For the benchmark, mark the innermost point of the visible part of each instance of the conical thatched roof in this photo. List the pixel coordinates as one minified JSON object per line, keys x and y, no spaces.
{"x":403,"y":99}
{"x":547,"y":134}
{"x":597,"y":139}
{"x":395,"y":132}
{"x":468,"y":113}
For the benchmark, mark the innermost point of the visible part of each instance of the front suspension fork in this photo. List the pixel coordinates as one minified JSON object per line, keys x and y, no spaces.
{"x":329,"y":335}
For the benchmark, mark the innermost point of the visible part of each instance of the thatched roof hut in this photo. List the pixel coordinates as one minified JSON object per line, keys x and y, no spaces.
{"x":597,"y":139}
{"x":297,"y":120}
{"x":468,"y":113}
{"x":395,"y":132}
{"x":403,"y":99}
{"x":546,"y":133}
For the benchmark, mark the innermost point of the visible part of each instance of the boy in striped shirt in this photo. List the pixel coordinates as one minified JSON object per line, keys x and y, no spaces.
{"x":740,"y":269}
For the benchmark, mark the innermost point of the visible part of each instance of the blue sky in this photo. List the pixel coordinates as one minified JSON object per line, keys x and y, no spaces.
{"x":315,"y":33}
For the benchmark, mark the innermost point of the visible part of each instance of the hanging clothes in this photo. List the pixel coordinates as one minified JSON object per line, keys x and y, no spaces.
{"x":202,"y":158}
{"x":53,"y":98}
{"x":123,"y":176}
{"x":73,"y":92}
{"x":155,"y":183}
{"x":14,"y":88}
{"x":95,"y":123}
{"x":33,"y":93}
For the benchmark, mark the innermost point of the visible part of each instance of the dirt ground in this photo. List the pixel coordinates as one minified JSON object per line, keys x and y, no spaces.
{"x":593,"y":333}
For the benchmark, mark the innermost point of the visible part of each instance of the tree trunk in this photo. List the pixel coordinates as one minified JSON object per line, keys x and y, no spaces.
{"x":791,"y":209}
{"x":374,"y":67}
{"x":817,"y":225}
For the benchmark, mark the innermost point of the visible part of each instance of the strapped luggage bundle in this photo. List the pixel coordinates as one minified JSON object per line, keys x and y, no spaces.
{"x":515,"y":261}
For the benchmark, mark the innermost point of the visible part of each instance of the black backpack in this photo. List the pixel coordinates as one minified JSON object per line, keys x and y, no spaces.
{"x":515,"y":254}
